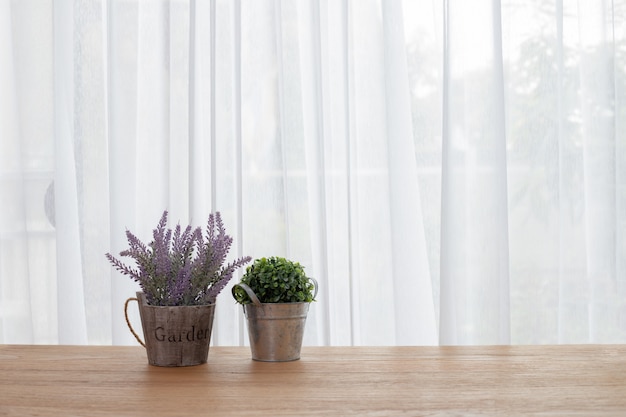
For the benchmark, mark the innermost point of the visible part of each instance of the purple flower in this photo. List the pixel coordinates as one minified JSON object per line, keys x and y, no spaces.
{"x":181,"y":267}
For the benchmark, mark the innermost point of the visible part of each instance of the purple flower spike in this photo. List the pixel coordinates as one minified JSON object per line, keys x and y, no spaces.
{"x":180,"y":267}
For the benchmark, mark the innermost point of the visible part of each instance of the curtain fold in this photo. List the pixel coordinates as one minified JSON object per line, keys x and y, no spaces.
{"x":16,"y":306}
{"x":599,"y":161}
{"x":474,"y":222}
{"x":450,"y":173}
{"x":412,"y":283}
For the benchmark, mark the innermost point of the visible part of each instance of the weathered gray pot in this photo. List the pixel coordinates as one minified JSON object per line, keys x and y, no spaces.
{"x":275,"y":330}
{"x":174,"y":335}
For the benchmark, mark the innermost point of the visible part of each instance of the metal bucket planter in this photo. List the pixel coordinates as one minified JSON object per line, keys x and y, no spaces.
{"x":275,"y":330}
{"x":174,"y":335}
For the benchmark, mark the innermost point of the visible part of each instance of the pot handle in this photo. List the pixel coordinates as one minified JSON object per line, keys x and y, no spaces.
{"x":316,"y":286}
{"x":251,"y":294}
{"x":128,"y":321}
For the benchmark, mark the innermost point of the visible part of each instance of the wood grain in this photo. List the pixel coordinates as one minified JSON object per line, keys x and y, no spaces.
{"x":568,"y":380}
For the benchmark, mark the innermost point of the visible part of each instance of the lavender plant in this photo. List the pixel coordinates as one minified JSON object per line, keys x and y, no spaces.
{"x":181,"y":267}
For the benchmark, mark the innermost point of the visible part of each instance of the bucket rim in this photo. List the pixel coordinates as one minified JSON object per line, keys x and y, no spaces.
{"x":144,"y":303}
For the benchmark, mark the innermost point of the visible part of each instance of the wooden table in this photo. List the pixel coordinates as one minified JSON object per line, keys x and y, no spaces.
{"x":585,"y":380}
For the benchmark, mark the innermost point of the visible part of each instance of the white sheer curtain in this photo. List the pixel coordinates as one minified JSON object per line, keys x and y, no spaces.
{"x":451,"y":172}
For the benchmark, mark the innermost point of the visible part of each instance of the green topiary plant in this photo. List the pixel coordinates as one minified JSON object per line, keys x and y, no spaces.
{"x":275,"y":280}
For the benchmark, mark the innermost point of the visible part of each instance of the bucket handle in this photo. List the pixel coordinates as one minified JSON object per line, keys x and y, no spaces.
{"x":255,"y":299}
{"x":315,"y":285}
{"x":250,"y":292}
{"x":128,"y":321}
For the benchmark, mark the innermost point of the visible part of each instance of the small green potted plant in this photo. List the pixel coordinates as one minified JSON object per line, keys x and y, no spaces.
{"x":275,"y":293}
{"x":180,"y":272}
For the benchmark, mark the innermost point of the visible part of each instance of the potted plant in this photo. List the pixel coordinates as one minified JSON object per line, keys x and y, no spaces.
{"x":180,"y":272}
{"x":275,"y":293}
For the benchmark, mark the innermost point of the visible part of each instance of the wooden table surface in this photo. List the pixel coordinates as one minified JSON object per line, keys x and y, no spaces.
{"x":580,"y":380}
